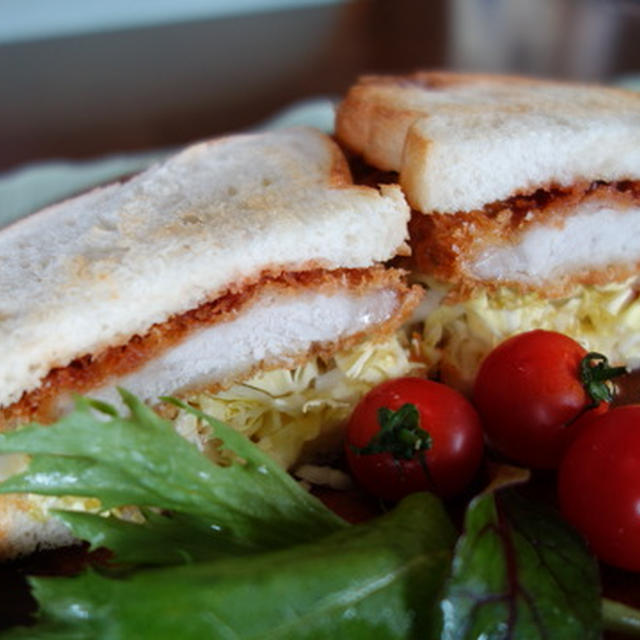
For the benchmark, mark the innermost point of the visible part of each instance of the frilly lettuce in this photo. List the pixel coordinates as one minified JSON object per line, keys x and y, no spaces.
{"x":191,"y":508}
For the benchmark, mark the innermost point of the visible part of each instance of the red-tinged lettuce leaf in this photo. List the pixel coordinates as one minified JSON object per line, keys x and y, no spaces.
{"x":377,"y":580}
{"x":520,"y":573}
{"x":202,"y":509}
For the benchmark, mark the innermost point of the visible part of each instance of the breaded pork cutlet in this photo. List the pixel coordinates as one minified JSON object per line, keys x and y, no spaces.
{"x":549,"y":241}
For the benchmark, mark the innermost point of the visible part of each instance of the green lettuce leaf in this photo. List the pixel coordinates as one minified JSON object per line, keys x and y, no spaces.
{"x":201,"y":509}
{"x":520,"y":572}
{"x":378,"y":580}
{"x":262,"y":558}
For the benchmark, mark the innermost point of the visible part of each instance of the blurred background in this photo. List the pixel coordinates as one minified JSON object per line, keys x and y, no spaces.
{"x":83,"y":78}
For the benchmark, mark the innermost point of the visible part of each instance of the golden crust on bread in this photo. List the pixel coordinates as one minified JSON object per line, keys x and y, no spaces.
{"x":367,"y":120}
{"x":92,"y":370}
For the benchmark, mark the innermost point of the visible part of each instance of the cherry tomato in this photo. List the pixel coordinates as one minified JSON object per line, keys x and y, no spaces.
{"x":435,"y":443}
{"x":599,"y":486}
{"x":531,"y":391}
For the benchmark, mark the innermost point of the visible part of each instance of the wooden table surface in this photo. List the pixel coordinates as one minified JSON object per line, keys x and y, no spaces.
{"x":88,"y":95}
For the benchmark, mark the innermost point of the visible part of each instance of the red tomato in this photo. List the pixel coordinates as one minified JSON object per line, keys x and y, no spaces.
{"x":599,"y":486}
{"x":529,"y":393}
{"x":446,"y":467}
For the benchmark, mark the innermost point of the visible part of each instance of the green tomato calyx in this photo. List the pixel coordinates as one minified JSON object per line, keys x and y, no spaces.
{"x":596,"y":376}
{"x":400,"y":434}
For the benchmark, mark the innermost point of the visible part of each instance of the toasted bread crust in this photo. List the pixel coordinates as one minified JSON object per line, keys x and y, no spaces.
{"x":91,"y":370}
{"x":460,"y":140}
{"x":370,"y":110}
{"x":446,"y":247}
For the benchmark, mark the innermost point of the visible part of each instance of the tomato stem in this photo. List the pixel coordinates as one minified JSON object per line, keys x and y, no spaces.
{"x":400,"y":434}
{"x":596,"y":374}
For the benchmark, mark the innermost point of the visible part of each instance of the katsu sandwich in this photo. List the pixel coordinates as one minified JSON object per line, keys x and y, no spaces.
{"x":248,"y":258}
{"x":525,"y":198}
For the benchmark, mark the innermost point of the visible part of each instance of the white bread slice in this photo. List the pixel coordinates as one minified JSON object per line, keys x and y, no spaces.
{"x":460,"y":141}
{"x":98,"y":269}
{"x":25,"y":525}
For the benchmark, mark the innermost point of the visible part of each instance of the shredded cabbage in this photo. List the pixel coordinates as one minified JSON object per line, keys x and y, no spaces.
{"x":602,"y":318}
{"x":297,"y":415}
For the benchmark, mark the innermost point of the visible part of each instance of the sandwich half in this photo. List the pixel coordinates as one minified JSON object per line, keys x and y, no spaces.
{"x":526,"y":205}
{"x":239,"y":258}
